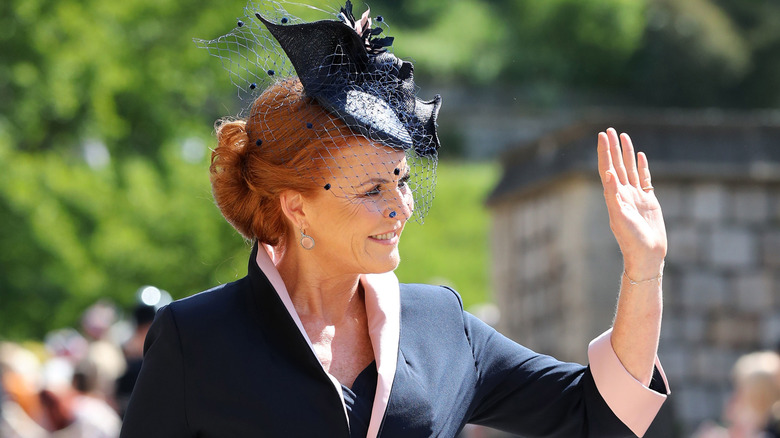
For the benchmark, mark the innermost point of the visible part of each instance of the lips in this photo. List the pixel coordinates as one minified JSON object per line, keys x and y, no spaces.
{"x":386,"y":236}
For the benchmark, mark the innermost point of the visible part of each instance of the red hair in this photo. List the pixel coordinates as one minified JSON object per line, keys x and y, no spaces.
{"x":277,"y":148}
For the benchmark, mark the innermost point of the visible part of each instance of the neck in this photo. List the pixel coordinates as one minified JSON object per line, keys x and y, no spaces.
{"x":317,"y":292}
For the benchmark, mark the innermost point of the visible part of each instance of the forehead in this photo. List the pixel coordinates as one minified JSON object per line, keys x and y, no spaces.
{"x":358,"y":157}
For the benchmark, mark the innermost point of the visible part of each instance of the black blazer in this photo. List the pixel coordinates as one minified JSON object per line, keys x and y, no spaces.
{"x":230,"y":362}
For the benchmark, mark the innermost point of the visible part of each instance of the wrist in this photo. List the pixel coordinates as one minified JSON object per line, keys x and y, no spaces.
{"x":635,"y":274}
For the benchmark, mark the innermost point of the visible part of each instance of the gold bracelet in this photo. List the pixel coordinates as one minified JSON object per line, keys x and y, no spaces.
{"x":656,"y":278}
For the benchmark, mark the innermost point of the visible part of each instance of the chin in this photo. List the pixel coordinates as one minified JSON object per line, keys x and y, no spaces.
{"x":396,"y":261}
{"x":386,"y":265}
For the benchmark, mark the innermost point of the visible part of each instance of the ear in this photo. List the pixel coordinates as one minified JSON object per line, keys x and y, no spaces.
{"x":293,"y":208}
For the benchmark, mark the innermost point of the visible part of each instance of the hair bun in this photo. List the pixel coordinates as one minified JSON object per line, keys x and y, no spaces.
{"x":247,"y":179}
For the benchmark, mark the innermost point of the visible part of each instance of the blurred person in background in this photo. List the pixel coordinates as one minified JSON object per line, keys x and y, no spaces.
{"x":751,"y":411}
{"x":756,"y":377}
{"x":133,"y":349}
{"x":103,"y":356}
{"x":773,"y":429}
{"x":22,"y":413}
{"x":70,"y":406}
{"x":54,"y":396}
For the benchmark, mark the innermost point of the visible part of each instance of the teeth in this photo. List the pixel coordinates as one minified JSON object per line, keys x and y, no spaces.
{"x":387,"y":236}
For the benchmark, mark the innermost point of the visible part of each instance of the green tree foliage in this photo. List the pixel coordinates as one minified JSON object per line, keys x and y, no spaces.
{"x":568,"y":41}
{"x":702,"y":51}
{"x":757,"y":22}
{"x":72,"y":234}
{"x":572,"y":41}
{"x":648,"y":52}
{"x":124,"y":72}
{"x":107,"y":108}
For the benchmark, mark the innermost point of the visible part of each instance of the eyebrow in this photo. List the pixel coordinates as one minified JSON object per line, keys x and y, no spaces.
{"x":382,"y":180}
{"x":375,"y":181}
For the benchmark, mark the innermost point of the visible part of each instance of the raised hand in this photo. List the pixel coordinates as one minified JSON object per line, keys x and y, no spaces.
{"x":634,"y":212}
{"x":638,"y":225}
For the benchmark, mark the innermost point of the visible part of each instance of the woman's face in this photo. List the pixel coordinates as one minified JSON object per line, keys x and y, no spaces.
{"x":357,"y":222}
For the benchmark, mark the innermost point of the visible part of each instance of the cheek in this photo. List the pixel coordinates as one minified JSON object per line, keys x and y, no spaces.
{"x":369,"y":207}
{"x":353,"y":218}
{"x":409,"y":200}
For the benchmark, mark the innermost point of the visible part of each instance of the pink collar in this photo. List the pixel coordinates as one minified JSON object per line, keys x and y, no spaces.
{"x":383,"y":309}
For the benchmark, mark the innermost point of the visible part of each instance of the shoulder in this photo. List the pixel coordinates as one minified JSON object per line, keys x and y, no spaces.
{"x":414,"y":293}
{"x":219,"y":302}
{"x":431,"y":307}
{"x":213,"y":320}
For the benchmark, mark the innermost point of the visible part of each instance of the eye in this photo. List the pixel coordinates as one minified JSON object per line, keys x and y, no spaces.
{"x":403,"y":182}
{"x":377,"y":189}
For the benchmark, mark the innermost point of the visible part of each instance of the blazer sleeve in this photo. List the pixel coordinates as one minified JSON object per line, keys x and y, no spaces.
{"x":157,"y":405}
{"x":535,"y":395}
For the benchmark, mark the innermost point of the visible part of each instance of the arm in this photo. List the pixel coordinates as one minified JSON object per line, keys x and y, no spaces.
{"x":156,"y":408}
{"x":534,"y":395}
{"x":637,"y":222}
{"x":624,"y":386}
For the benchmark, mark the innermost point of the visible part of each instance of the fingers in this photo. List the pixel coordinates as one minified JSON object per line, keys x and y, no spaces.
{"x":629,"y":159}
{"x":645,"y":182}
{"x":606,"y":169}
{"x":617,"y":157}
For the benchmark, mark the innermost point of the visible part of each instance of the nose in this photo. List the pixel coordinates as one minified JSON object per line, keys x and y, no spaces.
{"x":400,"y":207}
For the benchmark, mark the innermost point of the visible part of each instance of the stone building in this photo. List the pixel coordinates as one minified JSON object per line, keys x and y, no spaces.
{"x":556,"y":265}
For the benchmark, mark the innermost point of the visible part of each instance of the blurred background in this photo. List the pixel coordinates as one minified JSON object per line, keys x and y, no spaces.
{"x":106,"y":119}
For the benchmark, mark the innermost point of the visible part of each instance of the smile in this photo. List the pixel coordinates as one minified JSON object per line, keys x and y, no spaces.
{"x":386,"y":236}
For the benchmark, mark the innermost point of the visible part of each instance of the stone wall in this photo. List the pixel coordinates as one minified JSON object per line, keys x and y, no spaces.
{"x":557,"y":267}
{"x":722,"y":286}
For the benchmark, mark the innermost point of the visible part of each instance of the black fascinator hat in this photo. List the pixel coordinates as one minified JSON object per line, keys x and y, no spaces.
{"x":347,"y":70}
{"x":344,"y":65}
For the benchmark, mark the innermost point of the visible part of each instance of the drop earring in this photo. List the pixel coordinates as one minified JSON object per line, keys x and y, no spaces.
{"x":307,"y":242}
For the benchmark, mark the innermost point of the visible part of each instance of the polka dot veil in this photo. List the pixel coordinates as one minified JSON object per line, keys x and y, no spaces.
{"x":375,"y":140}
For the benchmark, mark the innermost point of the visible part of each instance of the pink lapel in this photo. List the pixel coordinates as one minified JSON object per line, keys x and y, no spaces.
{"x":383,"y":310}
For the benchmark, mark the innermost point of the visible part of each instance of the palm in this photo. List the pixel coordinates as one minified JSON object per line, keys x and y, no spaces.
{"x":634,"y":212}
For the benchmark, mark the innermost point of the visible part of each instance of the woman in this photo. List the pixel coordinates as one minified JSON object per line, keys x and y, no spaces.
{"x":753,"y":408}
{"x":320,"y":339}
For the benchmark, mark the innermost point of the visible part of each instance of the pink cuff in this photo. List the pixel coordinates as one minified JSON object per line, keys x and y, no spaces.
{"x":632,"y":402}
